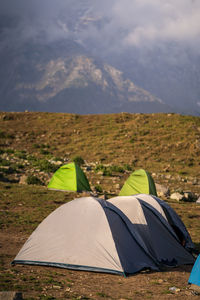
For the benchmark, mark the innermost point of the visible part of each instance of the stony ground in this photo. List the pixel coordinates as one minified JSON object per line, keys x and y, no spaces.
{"x":34,"y":145}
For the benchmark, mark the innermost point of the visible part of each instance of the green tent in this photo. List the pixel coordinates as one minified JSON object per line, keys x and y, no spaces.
{"x":139,"y":182}
{"x":69,"y":177}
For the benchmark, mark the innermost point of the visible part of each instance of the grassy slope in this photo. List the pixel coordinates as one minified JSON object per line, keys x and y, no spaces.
{"x":167,"y":145}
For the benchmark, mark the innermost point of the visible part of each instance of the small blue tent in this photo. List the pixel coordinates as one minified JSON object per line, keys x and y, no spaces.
{"x":195,"y":273}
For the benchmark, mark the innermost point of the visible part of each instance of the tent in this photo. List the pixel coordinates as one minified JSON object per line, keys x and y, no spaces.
{"x":195,"y":274}
{"x":122,"y":235}
{"x":69,"y":177}
{"x":139,"y":182}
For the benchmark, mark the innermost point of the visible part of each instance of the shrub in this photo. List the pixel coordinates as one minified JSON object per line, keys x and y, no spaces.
{"x":78,"y":160}
{"x":21,"y":154}
{"x":31,"y":179}
{"x":99,"y":168}
{"x":44,"y":151}
{"x":127,"y":167}
{"x":9,"y":151}
{"x":45,"y":165}
{"x":98,"y":188}
{"x":4,"y":162}
{"x":36,"y":146}
{"x":117,"y":169}
{"x":2,"y":134}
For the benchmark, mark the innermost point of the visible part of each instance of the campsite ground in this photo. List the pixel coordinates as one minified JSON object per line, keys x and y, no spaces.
{"x":166,"y":145}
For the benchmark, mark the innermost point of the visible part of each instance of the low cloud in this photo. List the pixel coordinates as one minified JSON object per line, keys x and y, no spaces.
{"x":126,"y":23}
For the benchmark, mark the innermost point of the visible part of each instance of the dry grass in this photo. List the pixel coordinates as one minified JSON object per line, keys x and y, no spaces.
{"x":165,"y":144}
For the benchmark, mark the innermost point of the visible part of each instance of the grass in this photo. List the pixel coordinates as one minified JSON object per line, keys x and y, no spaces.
{"x":113,"y":146}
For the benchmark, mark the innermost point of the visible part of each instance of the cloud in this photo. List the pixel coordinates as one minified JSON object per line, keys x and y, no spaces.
{"x":125,"y":23}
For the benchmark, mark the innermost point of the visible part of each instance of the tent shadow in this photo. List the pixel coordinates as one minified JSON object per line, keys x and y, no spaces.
{"x":197,"y":248}
{"x":183,"y":268}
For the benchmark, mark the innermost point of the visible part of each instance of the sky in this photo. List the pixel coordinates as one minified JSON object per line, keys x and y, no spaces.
{"x":129,"y":23}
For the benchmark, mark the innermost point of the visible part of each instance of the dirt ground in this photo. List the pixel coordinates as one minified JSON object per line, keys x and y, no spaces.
{"x":54,"y":283}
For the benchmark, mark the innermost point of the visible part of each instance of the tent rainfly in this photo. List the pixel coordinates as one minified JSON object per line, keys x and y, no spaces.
{"x":122,"y":235}
{"x":139,"y":182}
{"x":69,"y":177}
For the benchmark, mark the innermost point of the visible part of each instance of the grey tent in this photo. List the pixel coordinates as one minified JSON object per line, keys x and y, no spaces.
{"x":122,"y":235}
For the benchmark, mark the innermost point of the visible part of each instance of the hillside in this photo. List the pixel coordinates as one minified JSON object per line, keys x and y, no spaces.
{"x":33,"y":145}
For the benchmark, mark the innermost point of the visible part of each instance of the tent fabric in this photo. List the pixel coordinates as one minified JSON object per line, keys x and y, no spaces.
{"x":69,"y":177}
{"x":122,"y":235}
{"x":139,"y":182}
{"x":195,"y":273}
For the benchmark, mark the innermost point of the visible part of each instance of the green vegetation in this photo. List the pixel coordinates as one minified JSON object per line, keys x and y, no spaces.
{"x":98,"y":188}
{"x":33,"y":180}
{"x":78,"y":160}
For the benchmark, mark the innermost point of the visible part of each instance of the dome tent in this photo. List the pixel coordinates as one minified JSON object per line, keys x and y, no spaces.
{"x":69,"y":177}
{"x":139,"y":182}
{"x":122,"y":236}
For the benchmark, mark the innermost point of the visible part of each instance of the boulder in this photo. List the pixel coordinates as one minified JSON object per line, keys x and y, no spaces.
{"x":177,"y":196}
{"x":198,"y":200}
{"x":23,"y":179}
{"x":162,"y":191}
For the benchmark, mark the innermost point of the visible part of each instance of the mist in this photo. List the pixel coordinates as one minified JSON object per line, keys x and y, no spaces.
{"x":140,"y":37}
{"x":127,"y":23}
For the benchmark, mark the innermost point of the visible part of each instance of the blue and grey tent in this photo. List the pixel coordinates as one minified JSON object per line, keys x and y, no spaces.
{"x":122,"y":235}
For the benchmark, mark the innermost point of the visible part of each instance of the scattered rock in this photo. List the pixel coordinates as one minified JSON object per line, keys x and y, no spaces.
{"x":57,"y":287}
{"x":188,"y":196}
{"x":23,"y":179}
{"x":162,"y":190}
{"x":174,"y":289}
{"x":198,"y":200}
{"x":176,"y":196}
{"x":195,"y":288}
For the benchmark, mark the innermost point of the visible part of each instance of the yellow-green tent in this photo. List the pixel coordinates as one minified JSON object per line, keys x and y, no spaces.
{"x":139,"y":182}
{"x":69,"y":177}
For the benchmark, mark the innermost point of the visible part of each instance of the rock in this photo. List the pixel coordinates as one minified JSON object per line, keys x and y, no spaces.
{"x":162,"y":190}
{"x":198,"y":200}
{"x":174,"y":289}
{"x":177,"y":196}
{"x":10,"y":296}
{"x":57,"y":287}
{"x":23,"y":179}
{"x":195,"y":288}
{"x":188,"y":196}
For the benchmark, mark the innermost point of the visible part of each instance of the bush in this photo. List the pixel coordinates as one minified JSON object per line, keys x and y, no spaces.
{"x":9,"y":151}
{"x":21,"y":154}
{"x":78,"y":160}
{"x":44,"y":151}
{"x":5,"y":162}
{"x":117,"y":169}
{"x":2,"y":134}
{"x":107,"y":171}
{"x":31,"y":179}
{"x":127,"y":167}
{"x":99,"y":168}
{"x":45,"y":165}
{"x":98,"y":188}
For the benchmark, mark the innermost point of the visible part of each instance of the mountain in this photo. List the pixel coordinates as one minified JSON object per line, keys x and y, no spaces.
{"x":63,"y":77}
{"x":73,"y":58}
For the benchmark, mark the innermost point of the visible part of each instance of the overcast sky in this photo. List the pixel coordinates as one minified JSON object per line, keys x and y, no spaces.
{"x":129,"y":23}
